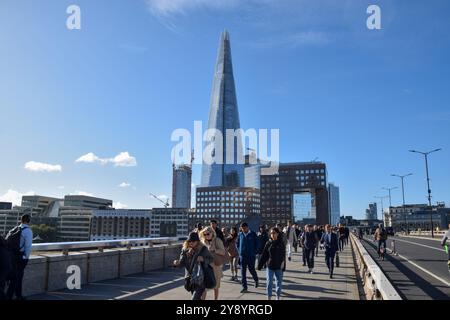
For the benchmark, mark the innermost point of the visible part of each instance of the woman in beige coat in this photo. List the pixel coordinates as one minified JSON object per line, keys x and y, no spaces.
{"x":215,"y":246}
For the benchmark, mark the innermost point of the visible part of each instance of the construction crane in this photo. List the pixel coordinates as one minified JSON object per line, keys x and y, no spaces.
{"x":166,"y":204}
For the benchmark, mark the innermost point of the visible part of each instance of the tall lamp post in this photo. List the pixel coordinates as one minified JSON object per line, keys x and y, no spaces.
{"x":425,"y":154}
{"x":403,"y":192}
{"x":382,"y":207}
{"x":389,"y":190}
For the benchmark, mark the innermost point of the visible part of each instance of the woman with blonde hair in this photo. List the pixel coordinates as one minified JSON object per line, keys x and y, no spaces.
{"x":215,"y":246}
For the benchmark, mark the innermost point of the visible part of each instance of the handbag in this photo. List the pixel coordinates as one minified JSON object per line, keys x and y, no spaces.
{"x":189,"y":284}
{"x":209,"y":276}
{"x":221,"y":260}
{"x":337,"y":259}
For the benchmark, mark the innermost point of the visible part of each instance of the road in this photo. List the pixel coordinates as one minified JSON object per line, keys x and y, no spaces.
{"x":419,"y":272}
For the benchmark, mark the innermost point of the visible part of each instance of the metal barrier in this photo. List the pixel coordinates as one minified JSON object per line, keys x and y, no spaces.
{"x":100,"y":245}
{"x":427,"y":233}
{"x":376,"y":284}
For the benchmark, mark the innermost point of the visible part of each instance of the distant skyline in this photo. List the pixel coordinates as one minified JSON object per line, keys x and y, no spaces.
{"x":91,"y":111}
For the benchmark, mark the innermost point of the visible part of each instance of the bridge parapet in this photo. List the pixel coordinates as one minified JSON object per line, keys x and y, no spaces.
{"x":97,"y":260}
{"x":375,"y":283}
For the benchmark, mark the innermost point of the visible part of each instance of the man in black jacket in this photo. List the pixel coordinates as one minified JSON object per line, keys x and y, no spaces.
{"x":219,"y":233}
{"x":274,"y":255}
{"x":5,"y":267}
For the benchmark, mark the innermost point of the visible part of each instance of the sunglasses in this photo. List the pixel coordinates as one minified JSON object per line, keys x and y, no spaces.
{"x":207,"y":234}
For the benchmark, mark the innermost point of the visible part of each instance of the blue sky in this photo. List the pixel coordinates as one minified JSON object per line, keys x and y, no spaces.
{"x":357,"y":99}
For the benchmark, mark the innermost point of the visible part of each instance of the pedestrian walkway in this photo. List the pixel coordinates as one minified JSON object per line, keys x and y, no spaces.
{"x":168,"y":285}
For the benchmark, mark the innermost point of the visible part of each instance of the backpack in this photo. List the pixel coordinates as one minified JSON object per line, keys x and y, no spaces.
{"x":13,"y":240}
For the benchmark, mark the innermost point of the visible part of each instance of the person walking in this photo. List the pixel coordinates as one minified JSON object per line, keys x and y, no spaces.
{"x":263,"y":237}
{"x":192,"y":255}
{"x":231,"y":247}
{"x":220,"y":256}
{"x":444,"y":240}
{"x":198,"y":227}
{"x":303,"y":247}
{"x":219,"y":234}
{"x":318,"y":233}
{"x":297,"y":235}
{"x":247,"y":245}
{"x":330,"y":242}
{"x":347,"y":234}
{"x":5,"y":267}
{"x":274,"y":255}
{"x":381,"y":236}
{"x":19,"y":241}
{"x":341,"y":233}
{"x":291,"y":238}
{"x":309,"y":242}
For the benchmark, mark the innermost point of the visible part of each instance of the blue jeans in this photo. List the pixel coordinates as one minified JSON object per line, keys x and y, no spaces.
{"x":248,"y":262}
{"x":279,"y":278}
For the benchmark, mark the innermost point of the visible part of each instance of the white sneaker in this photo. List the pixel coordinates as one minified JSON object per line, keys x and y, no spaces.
{"x":312,"y":272}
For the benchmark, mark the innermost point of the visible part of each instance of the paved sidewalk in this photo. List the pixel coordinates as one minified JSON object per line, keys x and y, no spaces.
{"x":168,"y":284}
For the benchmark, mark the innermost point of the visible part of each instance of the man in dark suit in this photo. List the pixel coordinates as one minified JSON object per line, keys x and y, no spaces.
{"x":331,"y":243}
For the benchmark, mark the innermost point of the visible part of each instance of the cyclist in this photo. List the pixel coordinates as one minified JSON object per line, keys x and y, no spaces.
{"x":381,"y":237}
{"x":444,"y":244}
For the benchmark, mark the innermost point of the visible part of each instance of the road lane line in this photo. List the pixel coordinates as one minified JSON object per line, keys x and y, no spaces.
{"x":424,"y":270}
{"x":419,"y":244}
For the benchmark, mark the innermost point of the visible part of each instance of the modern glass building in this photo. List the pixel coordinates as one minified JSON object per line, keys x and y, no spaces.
{"x":181,"y":186}
{"x":334,"y":201}
{"x":223,"y":115}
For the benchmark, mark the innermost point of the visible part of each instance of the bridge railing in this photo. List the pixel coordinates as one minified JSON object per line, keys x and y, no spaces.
{"x":376,"y":285}
{"x":65,"y":247}
{"x":52,"y":266}
{"x":418,"y":233}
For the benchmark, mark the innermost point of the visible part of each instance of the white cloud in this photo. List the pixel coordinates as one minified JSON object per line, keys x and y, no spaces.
{"x":15,"y":196}
{"x":60,"y":187}
{"x":124,"y":185}
{"x":90,"y":158}
{"x":123,"y":159}
{"x":170,"y":7}
{"x":119,"y":205}
{"x":42,"y":167}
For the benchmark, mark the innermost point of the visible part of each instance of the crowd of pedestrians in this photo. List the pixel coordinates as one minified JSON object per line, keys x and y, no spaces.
{"x":209,"y":248}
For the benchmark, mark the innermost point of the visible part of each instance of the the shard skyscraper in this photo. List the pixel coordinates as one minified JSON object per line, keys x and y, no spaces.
{"x":223,"y":115}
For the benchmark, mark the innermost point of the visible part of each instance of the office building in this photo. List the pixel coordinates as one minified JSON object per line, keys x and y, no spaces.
{"x":76,"y":215}
{"x":298,"y":192}
{"x":5,"y":205}
{"x":169,"y":222}
{"x":181,"y":186}
{"x":223,"y":115}
{"x":418,"y":217}
{"x":114,"y":224}
{"x":372,"y":212}
{"x":229,"y":206}
{"x":334,"y":203}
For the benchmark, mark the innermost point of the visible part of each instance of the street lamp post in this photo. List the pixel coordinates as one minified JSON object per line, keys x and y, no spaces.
{"x":382,"y":207}
{"x":403,"y":193}
{"x":425,"y":154}
{"x":389,"y":190}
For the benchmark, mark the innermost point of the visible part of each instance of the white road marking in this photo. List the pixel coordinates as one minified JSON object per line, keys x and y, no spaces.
{"x":426,"y":271}
{"x":145,"y":289}
{"x":419,"y":244}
